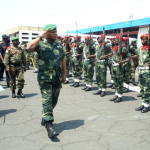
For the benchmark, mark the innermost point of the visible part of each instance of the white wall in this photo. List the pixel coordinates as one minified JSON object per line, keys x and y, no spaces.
{"x":29,"y":35}
{"x":141,"y":31}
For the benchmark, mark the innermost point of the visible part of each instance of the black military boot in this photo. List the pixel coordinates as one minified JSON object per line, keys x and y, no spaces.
{"x":66,"y":82}
{"x":139,"y":95}
{"x":125,"y":90}
{"x":13,"y":94}
{"x":73,"y":84}
{"x":97,"y":92}
{"x":102,"y":94}
{"x":84,"y":88}
{"x":110,"y":85}
{"x":76,"y":85}
{"x":119,"y":99}
{"x":88,"y":89}
{"x":20,"y":93}
{"x":42,"y":122}
{"x":134,"y":83}
{"x":139,"y":108}
{"x":113,"y":87}
{"x":50,"y":130}
{"x":112,"y":99}
{"x":145,"y":110}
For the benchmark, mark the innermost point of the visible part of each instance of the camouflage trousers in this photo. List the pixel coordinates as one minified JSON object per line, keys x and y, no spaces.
{"x":109,"y":64}
{"x":101,"y":73}
{"x":117,"y":74}
{"x":50,"y":93}
{"x":134,"y":65}
{"x":144,"y":79}
{"x":88,"y":67}
{"x":127,"y":72}
{"x":68,"y":65}
{"x":16,"y":72}
{"x":77,"y":70}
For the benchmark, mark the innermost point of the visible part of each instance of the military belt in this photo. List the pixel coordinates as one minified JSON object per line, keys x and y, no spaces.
{"x":115,"y":64}
{"x":144,"y":68}
{"x":86,"y":60}
{"x":103,"y":60}
{"x":16,"y":64}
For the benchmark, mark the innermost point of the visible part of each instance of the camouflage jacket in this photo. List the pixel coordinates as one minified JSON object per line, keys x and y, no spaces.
{"x":143,"y":56}
{"x":100,"y":53}
{"x":86,"y":52}
{"x":124,"y":55}
{"x":132,"y":50}
{"x":50,"y":60}
{"x":14,"y":57}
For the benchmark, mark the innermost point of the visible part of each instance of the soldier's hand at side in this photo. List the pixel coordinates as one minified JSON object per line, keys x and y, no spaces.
{"x":45,"y":32}
{"x":64,"y":79}
{"x":120,"y":62}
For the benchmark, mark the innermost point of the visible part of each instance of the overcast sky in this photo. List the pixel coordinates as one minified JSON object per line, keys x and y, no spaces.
{"x":64,"y":13}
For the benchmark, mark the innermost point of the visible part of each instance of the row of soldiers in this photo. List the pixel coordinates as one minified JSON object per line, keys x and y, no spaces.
{"x":121,"y":58}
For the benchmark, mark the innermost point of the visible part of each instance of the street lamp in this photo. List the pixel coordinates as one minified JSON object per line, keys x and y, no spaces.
{"x":131,"y":17}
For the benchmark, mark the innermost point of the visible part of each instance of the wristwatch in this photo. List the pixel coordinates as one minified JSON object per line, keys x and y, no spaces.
{"x":40,"y":37}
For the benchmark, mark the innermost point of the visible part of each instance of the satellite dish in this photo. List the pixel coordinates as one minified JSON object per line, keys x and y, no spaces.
{"x":130,"y":16}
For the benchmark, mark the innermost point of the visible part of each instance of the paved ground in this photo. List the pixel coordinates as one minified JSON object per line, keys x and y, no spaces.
{"x":84,"y":121}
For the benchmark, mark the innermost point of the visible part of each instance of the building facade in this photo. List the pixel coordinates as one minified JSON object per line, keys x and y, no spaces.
{"x":25,"y":33}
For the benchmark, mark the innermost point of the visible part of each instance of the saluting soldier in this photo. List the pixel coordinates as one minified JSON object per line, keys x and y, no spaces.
{"x":51,"y":73}
{"x":15,"y":65}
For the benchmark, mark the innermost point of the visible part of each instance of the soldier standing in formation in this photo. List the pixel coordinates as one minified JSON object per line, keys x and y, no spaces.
{"x":15,"y":65}
{"x":51,"y":73}
{"x":144,"y":74}
{"x":101,"y":65}
{"x":89,"y":63}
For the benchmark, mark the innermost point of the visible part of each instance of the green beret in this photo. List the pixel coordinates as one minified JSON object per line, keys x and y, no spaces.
{"x":5,"y":36}
{"x":14,"y":38}
{"x":52,"y":26}
{"x":134,"y":40}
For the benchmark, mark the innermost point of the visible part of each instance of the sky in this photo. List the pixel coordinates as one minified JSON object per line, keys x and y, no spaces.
{"x":65,"y":13}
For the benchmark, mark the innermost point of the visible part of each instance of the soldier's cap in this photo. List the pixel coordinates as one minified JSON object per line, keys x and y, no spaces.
{"x":77,"y":36}
{"x":5,"y":36}
{"x":52,"y":26}
{"x":144,"y":35}
{"x":65,"y":37}
{"x":58,"y":37}
{"x":125,"y":38}
{"x":87,"y":37}
{"x":14,"y":38}
{"x":134,"y":40}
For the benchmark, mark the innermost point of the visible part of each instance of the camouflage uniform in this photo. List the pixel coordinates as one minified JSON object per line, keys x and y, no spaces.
{"x":117,"y":72}
{"x":35,"y":58}
{"x":144,"y":75}
{"x":88,"y":65}
{"x":49,"y":75}
{"x":15,"y":63}
{"x":134,"y":61}
{"x":77,"y":61}
{"x":126,"y":67}
{"x":26,"y":54}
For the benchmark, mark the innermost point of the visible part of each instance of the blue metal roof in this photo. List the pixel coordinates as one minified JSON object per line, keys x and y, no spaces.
{"x":126,"y":24}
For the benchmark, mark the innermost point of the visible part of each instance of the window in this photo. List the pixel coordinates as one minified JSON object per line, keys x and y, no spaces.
{"x":24,"y":37}
{"x":25,"y":33}
{"x":36,"y":34}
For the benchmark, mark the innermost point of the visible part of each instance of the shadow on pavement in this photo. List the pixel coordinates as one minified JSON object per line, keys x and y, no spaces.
{"x":67,"y":125}
{"x":128,"y":98}
{"x":6,"y":112}
{"x":31,"y":95}
{"x":4,"y":96}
